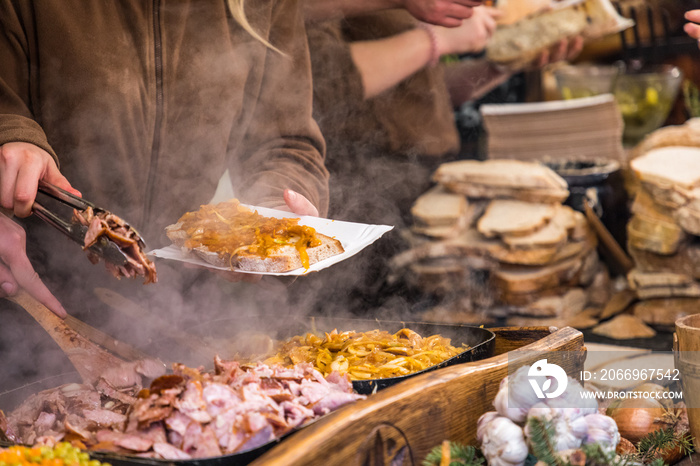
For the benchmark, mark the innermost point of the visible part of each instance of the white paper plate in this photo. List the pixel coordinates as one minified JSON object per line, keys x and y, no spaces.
{"x":353,"y":236}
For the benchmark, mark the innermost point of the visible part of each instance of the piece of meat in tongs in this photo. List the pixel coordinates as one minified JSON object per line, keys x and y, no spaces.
{"x":101,"y":233}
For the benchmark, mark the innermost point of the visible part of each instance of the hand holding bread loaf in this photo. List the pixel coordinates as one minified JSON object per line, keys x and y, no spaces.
{"x":535,"y":27}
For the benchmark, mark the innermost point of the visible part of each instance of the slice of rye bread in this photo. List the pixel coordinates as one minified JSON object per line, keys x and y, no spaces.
{"x":581,"y":230}
{"x":686,"y":261}
{"x":675,"y":165}
{"x":514,"y":218}
{"x":500,"y":173}
{"x":283,"y":259}
{"x":471,"y":242}
{"x":670,"y":196}
{"x":644,"y":204}
{"x":479,"y":191}
{"x":654,"y":235}
{"x":519,"y":279}
{"x":665,"y":312}
{"x":638,"y":279}
{"x":653,"y":292}
{"x":446,"y":231}
{"x":689,"y":219}
{"x":488,"y":254}
{"x":554,"y":233}
{"x":570,"y":302}
{"x":686,"y":135}
{"x":438,"y":207}
{"x":473,"y":211}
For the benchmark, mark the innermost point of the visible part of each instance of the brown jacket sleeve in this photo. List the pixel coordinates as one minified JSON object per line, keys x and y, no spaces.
{"x":283,"y":147}
{"x":17,"y":123}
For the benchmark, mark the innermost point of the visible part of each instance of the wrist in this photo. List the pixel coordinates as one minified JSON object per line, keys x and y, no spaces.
{"x":434,"y":51}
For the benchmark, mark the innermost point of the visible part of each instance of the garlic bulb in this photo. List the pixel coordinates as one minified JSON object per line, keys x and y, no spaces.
{"x":576,"y":399}
{"x":483,"y":421}
{"x":570,"y":428}
{"x":515,"y":396}
{"x":602,"y":430}
{"x":502,"y":441}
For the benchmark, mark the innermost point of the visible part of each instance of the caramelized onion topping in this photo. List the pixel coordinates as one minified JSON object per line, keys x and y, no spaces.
{"x":228,"y":228}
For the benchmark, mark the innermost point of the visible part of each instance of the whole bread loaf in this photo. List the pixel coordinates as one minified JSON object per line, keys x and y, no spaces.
{"x":520,"y":42}
{"x":523,"y":41}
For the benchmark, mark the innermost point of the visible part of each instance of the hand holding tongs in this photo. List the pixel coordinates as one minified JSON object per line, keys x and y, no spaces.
{"x":104,"y":247}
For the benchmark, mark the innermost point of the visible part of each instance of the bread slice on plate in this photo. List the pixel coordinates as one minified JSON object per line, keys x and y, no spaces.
{"x":231,"y":235}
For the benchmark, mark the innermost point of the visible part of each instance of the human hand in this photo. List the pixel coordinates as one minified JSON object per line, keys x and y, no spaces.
{"x":473,"y":34}
{"x":446,"y":13}
{"x":298,"y":204}
{"x":22,"y":165}
{"x":565,"y":50}
{"x":17,"y":272}
{"x":693,"y":29}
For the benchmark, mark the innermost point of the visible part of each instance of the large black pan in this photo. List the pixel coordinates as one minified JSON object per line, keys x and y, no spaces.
{"x":481,"y":342}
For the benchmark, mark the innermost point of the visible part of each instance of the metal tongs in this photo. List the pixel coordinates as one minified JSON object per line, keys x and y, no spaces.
{"x":104,"y":247}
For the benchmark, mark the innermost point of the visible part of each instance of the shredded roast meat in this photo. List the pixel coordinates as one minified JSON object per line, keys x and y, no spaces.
{"x":187,"y":414}
{"x":69,"y":412}
{"x":107,"y":224}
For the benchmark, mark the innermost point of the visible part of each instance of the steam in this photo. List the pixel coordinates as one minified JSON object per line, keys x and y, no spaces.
{"x":368,"y":188}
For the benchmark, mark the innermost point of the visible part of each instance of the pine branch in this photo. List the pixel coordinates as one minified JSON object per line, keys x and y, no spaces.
{"x":460,"y":455}
{"x":541,"y":435}
{"x":597,"y":456}
{"x":656,"y":443}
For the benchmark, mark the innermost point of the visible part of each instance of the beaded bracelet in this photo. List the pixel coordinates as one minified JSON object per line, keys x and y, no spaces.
{"x":434,"y":54}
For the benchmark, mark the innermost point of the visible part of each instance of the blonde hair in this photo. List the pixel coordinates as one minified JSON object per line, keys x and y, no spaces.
{"x":236,"y":7}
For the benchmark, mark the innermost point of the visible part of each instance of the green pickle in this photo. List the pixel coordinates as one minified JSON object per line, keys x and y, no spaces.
{"x":643,"y":109}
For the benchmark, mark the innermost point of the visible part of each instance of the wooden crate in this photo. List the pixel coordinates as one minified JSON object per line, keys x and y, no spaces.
{"x":401,"y":424}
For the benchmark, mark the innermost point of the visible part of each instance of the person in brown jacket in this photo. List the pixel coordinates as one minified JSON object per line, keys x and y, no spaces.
{"x":142,"y":105}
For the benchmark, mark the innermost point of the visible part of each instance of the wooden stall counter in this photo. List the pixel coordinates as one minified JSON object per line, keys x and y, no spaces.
{"x":401,"y":424}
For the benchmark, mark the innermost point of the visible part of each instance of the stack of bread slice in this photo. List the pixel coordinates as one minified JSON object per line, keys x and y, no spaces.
{"x":495,"y":238}
{"x":664,"y":231}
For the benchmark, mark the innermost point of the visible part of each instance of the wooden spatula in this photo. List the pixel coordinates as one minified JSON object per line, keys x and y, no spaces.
{"x":89,"y":359}
{"x":618,"y":255}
